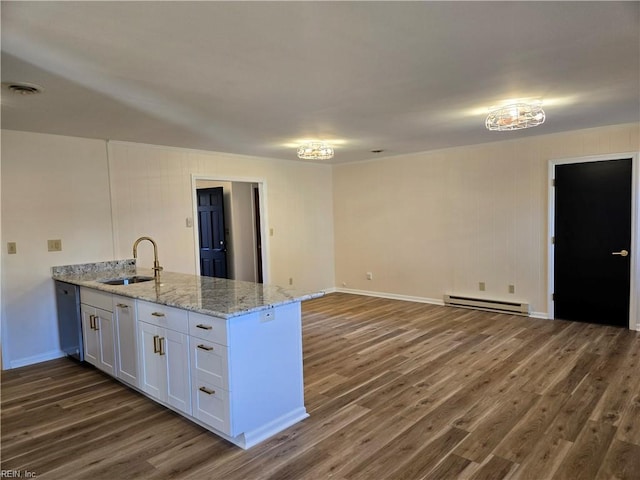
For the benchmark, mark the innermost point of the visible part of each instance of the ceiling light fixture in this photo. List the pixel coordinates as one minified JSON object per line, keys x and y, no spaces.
{"x":315,"y":151}
{"x":23,"y":88}
{"x":515,"y":117}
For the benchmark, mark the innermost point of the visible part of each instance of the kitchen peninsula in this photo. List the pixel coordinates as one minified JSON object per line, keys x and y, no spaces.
{"x":226,"y":354}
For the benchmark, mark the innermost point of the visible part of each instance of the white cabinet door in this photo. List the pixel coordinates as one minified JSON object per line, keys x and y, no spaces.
{"x":91,"y":352}
{"x":106,"y":338}
{"x":125,"y":316}
{"x":164,"y":365}
{"x":176,"y":346}
{"x":99,"y":340}
{"x":153,"y":376}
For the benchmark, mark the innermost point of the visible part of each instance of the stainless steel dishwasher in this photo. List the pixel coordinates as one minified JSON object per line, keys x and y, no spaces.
{"x":69,"y":319}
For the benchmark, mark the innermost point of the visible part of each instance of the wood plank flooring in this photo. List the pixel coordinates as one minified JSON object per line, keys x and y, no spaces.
{"x":395,"y":390}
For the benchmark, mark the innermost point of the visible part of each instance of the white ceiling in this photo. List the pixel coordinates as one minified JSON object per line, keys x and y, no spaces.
{"x":256,"y":77}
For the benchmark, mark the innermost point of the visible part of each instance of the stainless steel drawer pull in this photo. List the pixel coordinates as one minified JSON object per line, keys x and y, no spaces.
{"x":156,"y":348}
{"x":161,"y":345}
{"x":207,"y":391}
{"x":158,"y":314}
{"x":205,"y":347}
{"x":122,"y":305}
{"x":204,"y":327}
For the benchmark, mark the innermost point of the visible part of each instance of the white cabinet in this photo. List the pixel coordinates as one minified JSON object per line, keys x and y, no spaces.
{"x":210,"y":371}
{"x":152,"y":365}
{"x":246,"y":373}
{"x":98,"y":330}
{"x":163,"y":354}
{"x":124,"y":309}
{"x":239,"y":377}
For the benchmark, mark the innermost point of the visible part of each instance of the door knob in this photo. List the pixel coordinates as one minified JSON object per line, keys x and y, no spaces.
{"x":622,"y":253}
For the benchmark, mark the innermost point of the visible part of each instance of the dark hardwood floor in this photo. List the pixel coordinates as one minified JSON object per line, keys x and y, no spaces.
{"x":395,"y":390}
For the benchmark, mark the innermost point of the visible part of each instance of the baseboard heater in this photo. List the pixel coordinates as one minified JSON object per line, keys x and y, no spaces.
{"x":501,"y":306}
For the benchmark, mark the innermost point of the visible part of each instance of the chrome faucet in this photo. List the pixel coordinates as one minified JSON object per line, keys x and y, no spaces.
{"x":156,"y":264}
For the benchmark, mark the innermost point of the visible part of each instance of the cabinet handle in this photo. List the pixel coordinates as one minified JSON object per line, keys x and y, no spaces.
{"x":158,"y":314}
{"x":155,"y":344}
{"x":207,"y":391}
{"x":95,"y":322}
{"x":204,"y":347}
{"x":122,"y":305}
{"x":91,"y":318}
{"x":204,"y":327}
{"x":161,"y":344}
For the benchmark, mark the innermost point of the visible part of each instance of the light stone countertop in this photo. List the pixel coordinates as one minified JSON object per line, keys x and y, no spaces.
{"x":207,"y":295}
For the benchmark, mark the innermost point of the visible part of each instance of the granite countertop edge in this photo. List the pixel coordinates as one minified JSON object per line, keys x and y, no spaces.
{"x":217,"y":297}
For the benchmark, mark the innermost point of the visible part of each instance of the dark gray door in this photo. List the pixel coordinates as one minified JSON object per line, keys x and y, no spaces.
{"x":213,"y":249}
{"x":592,"y":260}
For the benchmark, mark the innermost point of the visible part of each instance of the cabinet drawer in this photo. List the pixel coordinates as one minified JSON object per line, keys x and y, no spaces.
{"x":163,"y":316}
{"x":208,"y":328}
{"x":96,"y":298}
{"x":211,"y":406}
{"x":209,"y":363}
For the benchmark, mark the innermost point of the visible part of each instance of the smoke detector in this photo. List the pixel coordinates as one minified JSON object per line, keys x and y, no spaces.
{"x":22,"y":88}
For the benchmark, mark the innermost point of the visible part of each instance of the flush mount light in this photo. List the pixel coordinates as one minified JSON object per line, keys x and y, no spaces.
{"x":22,"y":88}
{"x":315,"y":151}
{"x":515,"y":117}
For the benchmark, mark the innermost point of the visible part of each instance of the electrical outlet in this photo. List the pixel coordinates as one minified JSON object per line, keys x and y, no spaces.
{"x":54,"y":245}
{"x":11,"y":248}
{"x":267,"y":315}
{"x":290,"y":280}
{"x":481,"y":286}
{"x":512,"y":289}
{"x":369,"y":276}
{"x":189,"y":222}
{"x":271,"y":232}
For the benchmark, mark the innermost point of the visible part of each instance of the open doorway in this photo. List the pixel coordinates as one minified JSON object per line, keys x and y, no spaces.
{"x":242,"y":220}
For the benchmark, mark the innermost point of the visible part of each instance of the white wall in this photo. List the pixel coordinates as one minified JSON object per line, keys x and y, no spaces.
{"x":244,"y":257}
{"x":151,"y":194}
{"x":98,"y":198}
{"x":53,"y":187}
{"x":443,"y":221}
{"x":423,"y":224}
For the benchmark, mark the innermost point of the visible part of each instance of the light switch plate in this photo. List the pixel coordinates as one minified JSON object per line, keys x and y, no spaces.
{"x":11,"y":248}
{"x":54,"y":245}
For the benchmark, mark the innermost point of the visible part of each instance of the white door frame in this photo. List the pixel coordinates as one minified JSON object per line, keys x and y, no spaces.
{"x":634,"y":298}
{"x":262,"y":190}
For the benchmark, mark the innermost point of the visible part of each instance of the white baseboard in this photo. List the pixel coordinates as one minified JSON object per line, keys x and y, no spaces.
{"x":408,"y":298}
{"x":272,"y":428}
{"x":43,"y":357}
{"x":392,"y":296}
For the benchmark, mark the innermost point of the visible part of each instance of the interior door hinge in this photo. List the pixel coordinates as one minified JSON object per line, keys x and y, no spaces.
{"x":553,"y":182}
{"x":553,"y":297}
{"x":553,"y":240}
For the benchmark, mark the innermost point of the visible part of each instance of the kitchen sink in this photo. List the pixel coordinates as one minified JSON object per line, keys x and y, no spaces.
{"x":127,"y":280}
